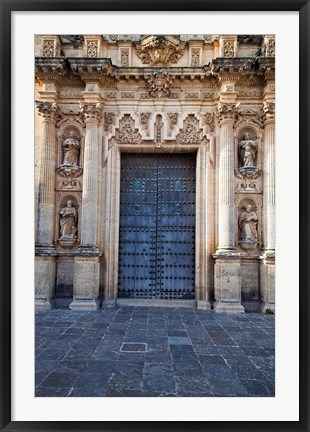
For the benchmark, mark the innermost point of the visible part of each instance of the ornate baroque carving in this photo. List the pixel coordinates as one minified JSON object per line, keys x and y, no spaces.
{"x":91,"y":111}
{"x":127,"y":134}
{"x":124,"y":56}
{"x":269,"y":110}
{"x":48,"y":110}
{"x":173,"y":119}
{"x":191,"y":95}
{"x":108,"y":120}
{"x":48,"y":48}
{"x":145,"y":119}
{"x":248,"y":177}
{"x":190,"y":133}
{"x":229,"y":49}
{"x":160,"y":50}
{"x":228,"y":111}
{"x":209,"y":118}
{"x":92,"y":49}
{"x":159,"y":84}
{"x":195,"y":57}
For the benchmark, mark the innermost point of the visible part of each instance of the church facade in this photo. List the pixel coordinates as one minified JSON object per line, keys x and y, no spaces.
{"x":155,"y":171}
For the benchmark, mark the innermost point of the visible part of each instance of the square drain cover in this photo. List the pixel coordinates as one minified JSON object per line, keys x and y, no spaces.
{"x":134,"y":347}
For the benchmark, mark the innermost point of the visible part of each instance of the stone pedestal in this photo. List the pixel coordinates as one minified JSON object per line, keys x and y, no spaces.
{"x":267,"y":283}
{"x":227,"y":285}
{"x":85,"y":283}
{"x":203,"y":304}
{"x":45,"y":279}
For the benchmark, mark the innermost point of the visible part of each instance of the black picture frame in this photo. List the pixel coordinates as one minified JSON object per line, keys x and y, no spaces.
{"x":7,"y":7}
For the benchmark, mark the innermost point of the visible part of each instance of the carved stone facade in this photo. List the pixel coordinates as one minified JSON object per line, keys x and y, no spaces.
{"x":99,"y":97}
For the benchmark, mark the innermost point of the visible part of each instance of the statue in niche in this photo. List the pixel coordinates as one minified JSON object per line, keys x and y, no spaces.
{"x":71,"y":150}
{"x":248,"y":149}
{"x":68,"y":221}
{"x":248,"y":225}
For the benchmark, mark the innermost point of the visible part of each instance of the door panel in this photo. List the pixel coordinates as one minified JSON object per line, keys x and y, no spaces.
{"x":157,"y":227}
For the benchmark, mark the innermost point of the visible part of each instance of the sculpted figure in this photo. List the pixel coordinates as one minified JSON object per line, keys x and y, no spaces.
{"x":71,"y":149}
{"x":68,"y":218}
{"x":248,"y":224}
{"x":249,"y":148}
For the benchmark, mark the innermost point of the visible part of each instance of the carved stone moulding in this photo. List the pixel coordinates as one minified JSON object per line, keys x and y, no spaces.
{"x":159,"y":84}
{"x":248,"y":245}
{"x":67,"y":243}
{"x":69,"y":170}
{"x":232,"y":64}
{"x":46,"y":67}
{"x":160,"y":50}
{"x":248,"y":172}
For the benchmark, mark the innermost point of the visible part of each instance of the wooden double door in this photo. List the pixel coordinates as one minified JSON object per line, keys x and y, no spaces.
{"x":157,"y":226}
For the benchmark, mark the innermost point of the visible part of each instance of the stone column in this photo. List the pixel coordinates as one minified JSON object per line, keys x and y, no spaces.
{"x":227,"y":280}
{"x":86,"y":270}
{"x":267,"y":267}
{"x":45,"y":264}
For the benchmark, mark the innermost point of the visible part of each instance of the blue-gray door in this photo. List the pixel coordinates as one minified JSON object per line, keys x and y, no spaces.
{"x":157,"y":226}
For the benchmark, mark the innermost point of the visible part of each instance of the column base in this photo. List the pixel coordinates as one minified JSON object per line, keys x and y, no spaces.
{"x":203,"y":305}
{"x":267,"y":307}
{"x":44,"y":303}
{"x":84,"y":305}
{"x":227,"y":307}
{"x":109,"y":303}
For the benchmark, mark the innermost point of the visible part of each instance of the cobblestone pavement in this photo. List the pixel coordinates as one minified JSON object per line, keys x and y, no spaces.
{"x":153,"y":351}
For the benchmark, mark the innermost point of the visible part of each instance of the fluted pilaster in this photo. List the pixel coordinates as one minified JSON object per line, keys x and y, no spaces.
{"x":46,"y":205}
{"x":91,"y":112}
{"x":269,"y":176}
{"x":227,"y":113}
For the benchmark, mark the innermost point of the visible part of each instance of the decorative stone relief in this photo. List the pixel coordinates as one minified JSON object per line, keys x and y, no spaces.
{"x":127,"y":95}
{"x":67,"y":225}
{"x":69,"y":183}
{"x":229,"y":49}
{"x":195,"y":57}
{"x":248,"y":228}
{"x":91,"y":111}
{"x":250,"y":93}
{"x":270,"y":47}
{"x":159,"y":84}
{"x":269,"y":110}
{"x":110,"y":95}
{"x":144,"y":116}
{"x":127,"y":134}
{"x":173,"y":119}
{"x":158,"y":130}
{"x":208,"y":95}
{"x":47,"y":109}
{"x":160,"y":50}
{"x":191,"y":95}
{"x":208,"y":38}
{"x":190,"y":134}
{"x":228,"y":110}
{"x":209,"y":118}
{"x":92,"y":49}
{"x":48,"y":48}
{"x":70,"y":93}
{"x":247,"y":181}
{"x":124,"y":56}
{"x":108,"y":120}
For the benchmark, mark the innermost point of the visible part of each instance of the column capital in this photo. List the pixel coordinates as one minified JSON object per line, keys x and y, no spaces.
{"x":91,"y":111}
{"x":268,"y":111}
{"x":48,"y":110}
{"x":227,"y":111}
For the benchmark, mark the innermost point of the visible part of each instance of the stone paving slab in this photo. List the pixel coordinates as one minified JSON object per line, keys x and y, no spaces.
{"x":154,"y":352}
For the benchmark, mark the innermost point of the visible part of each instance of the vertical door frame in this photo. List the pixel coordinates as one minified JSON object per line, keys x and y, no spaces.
{"x":112,"y":215}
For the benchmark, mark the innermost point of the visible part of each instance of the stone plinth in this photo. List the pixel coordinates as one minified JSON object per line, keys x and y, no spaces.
{"x":85,"y":283}
{"x":45,"y":278}
{"x":227,"y":284}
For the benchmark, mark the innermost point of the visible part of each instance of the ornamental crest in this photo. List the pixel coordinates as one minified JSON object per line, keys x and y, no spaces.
{"x":159,"y":84}
{"x":127,"y":134}
{"x":160,"y":50}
